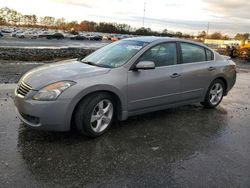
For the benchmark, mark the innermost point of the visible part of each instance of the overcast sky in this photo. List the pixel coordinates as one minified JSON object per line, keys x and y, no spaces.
{"x":191,"y":16}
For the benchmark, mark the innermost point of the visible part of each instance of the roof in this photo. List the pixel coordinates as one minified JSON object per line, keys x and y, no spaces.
{"x":147,"y":39}
{"x":151,"y":39}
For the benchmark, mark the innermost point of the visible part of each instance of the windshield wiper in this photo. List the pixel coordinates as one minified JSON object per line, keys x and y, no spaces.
{"x":94,"y":64}
{"x":89,"y":63}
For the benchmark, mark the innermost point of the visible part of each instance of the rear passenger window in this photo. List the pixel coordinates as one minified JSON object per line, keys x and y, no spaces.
{"x":192,"y":53}
{"x":209,"y":55}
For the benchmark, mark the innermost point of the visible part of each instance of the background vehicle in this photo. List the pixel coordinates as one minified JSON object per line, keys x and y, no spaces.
{"x":1,"y":35}
{"x":44,"y":34}
{"x":106,"y":37}
{"x":29,"y":35}
{"x":56,"y":36}
{"x":116,"y":37}
{"x":14,"y":34}
{"x":78,"y":37}
{"x":93,"y":37}
{"x":8,"y":30}
{"x":122,"y":79}
{"x":243,"y":52}
{"x":236,"y":51}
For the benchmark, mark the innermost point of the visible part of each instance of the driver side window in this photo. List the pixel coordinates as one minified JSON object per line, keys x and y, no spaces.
{"x":162,"y":54}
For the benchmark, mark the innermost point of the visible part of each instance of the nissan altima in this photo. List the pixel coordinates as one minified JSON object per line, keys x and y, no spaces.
{"x":122,"y":79}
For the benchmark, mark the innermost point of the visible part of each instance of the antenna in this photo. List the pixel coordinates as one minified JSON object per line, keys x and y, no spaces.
{"x":144,"y":10}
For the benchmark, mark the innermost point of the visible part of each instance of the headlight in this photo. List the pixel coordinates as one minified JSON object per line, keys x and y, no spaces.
{"x":52,"y":91}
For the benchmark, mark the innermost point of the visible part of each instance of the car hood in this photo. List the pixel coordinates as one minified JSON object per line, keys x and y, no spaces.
{"x":63,"y":70}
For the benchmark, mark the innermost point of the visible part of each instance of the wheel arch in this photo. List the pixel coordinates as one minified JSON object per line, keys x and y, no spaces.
{"x":119,"y":99}
{"x":224,"y":81}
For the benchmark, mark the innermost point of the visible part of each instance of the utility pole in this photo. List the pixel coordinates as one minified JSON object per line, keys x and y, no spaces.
{"x":144,"y":10}
{"x":208,"y":24}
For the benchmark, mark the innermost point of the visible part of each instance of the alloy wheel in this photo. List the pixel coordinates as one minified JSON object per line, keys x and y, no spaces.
{"x":101,"y":115}
{"x":216,"y":93}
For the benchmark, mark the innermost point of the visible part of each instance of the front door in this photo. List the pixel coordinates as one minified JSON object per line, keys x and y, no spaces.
{"x":159,"y":86}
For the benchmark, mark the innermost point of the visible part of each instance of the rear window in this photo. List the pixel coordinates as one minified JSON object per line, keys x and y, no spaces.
{"x":209,"y":54}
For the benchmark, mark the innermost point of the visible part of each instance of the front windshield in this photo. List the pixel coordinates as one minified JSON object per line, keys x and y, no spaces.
{"x":115,"y":54}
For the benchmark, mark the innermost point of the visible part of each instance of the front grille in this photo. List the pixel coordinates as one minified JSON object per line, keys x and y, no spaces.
{"x":23,"y":89}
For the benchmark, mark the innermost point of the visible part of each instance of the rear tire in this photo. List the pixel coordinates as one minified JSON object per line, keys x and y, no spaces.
{"x":94,"y":115}
{"x":214,"y":94}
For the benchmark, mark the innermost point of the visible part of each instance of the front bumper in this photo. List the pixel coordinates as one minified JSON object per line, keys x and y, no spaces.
{"x":43,"y":115}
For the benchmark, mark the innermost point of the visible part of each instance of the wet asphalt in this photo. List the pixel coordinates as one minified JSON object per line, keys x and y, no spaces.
{"x":12,"y":71}
{"x":181,"y":147}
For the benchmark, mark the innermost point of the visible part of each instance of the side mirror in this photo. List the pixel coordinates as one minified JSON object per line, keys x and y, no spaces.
{"x":144,"y":65}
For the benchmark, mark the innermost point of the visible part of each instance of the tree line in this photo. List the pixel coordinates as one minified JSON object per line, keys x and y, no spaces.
{"x":10,"y":17}
{"x":217,"y":35}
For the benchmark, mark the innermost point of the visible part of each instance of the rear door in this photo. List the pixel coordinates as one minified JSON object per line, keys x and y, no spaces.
{"x":197,"y":67}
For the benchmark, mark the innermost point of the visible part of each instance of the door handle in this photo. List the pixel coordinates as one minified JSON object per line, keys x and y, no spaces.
{"x":211,"y":68}
{"x":175,"y":75}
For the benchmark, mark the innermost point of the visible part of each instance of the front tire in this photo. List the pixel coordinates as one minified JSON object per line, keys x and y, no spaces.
{"x":94,"y":115}
{"x":214,"y":94}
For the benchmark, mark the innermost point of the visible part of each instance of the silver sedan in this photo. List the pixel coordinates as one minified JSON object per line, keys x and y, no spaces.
{"x":123,"y":79}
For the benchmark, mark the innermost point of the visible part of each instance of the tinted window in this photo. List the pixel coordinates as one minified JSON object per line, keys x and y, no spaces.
{"x":161,"y":55}
{"x":209,"y":55}
{"x":192,"y":53}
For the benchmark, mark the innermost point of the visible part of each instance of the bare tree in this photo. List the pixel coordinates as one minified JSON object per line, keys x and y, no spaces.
{"x":60,"y":23}
{"x":2,"y":21}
